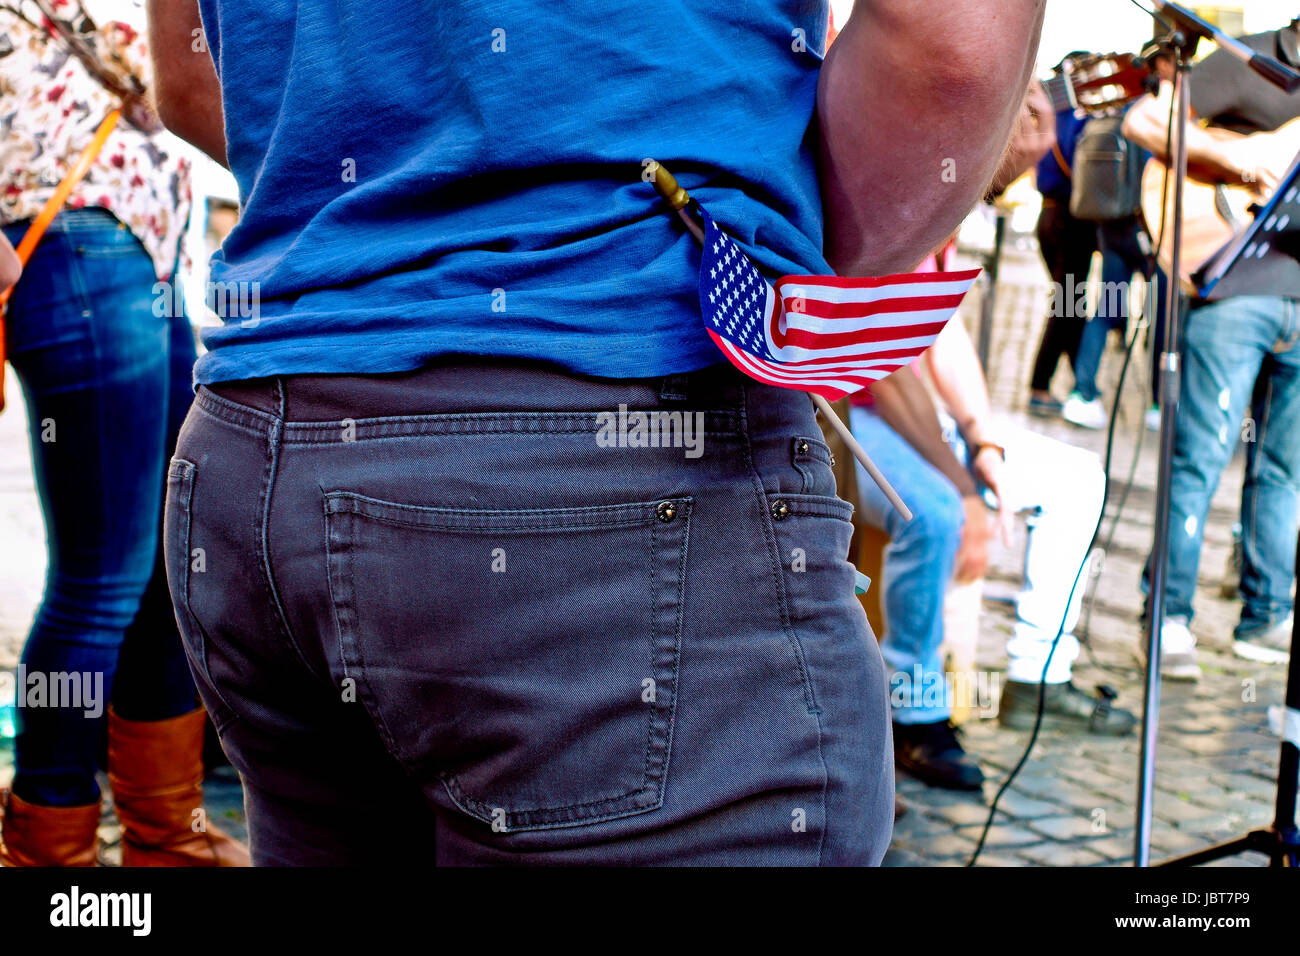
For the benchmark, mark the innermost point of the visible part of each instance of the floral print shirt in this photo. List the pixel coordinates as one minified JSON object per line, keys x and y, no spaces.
{"x":51,"y":104}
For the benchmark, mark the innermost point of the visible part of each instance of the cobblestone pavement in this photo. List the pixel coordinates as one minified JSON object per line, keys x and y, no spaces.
{"x":1073,"y":802}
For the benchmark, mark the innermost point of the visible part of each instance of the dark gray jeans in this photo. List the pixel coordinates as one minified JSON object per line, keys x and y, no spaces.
{"x":435,"y":619}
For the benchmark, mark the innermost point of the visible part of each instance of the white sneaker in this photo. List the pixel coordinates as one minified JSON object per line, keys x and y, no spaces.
{"x":1271,"y":647}
{"x":1152,"y":419}
{"x":1084,"y":414}
{"x":1177,"y":652}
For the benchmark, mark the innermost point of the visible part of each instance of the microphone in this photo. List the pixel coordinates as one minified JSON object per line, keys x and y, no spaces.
{"x":1278,"y":74}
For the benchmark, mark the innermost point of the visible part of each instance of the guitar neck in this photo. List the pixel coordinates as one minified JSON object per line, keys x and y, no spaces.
{"x":1058,"y":91}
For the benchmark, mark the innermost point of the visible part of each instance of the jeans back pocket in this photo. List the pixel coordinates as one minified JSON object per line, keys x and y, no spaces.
{"x":526,"y":660}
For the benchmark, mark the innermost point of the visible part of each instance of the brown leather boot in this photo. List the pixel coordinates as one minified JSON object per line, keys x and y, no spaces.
{"x":33,"y":835}
{"x":156,"y":771}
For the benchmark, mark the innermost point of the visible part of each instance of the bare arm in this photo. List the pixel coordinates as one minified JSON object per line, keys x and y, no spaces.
{"x":905,"y":405}
{"x":1217,"y":156}
{"x":916,"y":105}
{"x":956,"y":374}
{"x":186,"y":88}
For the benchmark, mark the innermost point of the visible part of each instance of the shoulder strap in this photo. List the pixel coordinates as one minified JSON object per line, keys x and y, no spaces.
{"x":1060,"y":161}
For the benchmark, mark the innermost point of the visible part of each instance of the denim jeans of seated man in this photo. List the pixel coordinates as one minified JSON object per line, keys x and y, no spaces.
{"x":918,"y":564}
{"x":464,"y":616}
{"x":1066,"y":483}
{"x":1239,"y":357}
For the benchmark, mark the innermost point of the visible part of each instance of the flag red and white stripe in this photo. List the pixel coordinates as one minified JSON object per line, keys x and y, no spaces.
{"x":823,"y":334}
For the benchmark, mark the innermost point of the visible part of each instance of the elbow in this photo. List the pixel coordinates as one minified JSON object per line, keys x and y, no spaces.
{"x":195,"y":116}
{"x":975,"y":68}
{"x":962,"y":82}
{"x":186,"y":92}
{"x":170,"y":106}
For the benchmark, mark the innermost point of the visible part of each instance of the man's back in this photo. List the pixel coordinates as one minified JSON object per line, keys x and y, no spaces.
{"x":464,"y":176}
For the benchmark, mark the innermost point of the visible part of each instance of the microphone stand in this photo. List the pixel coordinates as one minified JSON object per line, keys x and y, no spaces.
{"x":1183,"y":48}
{"x":1188,"y":30}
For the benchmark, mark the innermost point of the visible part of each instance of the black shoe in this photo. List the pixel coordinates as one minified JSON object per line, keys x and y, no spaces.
{"x":1065,"y":708}
{"x":1045,"y":407}
{"x":932,"y":754}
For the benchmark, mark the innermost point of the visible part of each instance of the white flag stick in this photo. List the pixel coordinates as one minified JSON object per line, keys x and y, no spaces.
{"x":861,"y":455}
{"x":679,"y":199}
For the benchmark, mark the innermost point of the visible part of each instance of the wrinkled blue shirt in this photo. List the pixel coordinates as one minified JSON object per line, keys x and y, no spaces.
{"x":425,"y":177}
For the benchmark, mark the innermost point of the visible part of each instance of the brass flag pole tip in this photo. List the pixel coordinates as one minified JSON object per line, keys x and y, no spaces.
{"x":666,"y":185}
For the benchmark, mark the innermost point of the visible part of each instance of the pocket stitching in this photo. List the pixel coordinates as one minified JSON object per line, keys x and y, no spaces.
{"x":818,"y":452}
{"x":347,"y":600}
{"x":105,"y":252}
{"x":821,"y":506}
{"x":348,"y":506}
{"x":454,"y":519}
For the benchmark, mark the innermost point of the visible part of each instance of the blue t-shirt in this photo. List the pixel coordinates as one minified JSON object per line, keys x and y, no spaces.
{"x":464,"y":176}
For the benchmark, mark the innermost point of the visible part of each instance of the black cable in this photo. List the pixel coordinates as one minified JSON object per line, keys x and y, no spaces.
{"x":1090,"y":598}
{"x":1145,"y":387}
{"x":1101,"y":517}
{"x":1157,"y":17}
{"x":1119,"y":509}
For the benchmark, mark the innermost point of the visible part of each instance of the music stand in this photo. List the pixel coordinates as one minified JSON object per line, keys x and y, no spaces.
{"x":1273,"y":235}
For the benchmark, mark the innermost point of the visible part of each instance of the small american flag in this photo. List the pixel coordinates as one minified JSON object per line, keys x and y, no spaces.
{"x":820,"y":334}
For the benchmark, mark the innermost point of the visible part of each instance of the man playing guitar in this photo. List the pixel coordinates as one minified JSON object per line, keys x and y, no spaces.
{"x":1239,"y":358}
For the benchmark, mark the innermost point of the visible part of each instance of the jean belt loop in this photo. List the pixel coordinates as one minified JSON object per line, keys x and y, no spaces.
{"x":278,"y":396}
{"x":673,"y":388}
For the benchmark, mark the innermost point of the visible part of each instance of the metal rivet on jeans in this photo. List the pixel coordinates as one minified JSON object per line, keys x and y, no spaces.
{"x":832,"y":459}
{"x":780,"y":510}
{"x":802,"y":448}
{"x":666,"y":511}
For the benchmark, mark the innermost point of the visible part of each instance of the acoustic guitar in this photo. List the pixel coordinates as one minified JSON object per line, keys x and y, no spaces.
{"x":1213,"y":210}
{"x":1097,"y":84}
